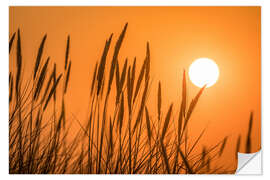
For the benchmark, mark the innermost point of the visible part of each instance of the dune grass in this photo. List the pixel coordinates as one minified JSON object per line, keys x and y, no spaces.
{"x":130,"y":139}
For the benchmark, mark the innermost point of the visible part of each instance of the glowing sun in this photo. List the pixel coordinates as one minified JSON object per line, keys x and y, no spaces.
{"x":203,"y":71}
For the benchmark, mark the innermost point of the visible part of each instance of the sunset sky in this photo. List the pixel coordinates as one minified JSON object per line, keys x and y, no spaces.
{"x":231,"y":36}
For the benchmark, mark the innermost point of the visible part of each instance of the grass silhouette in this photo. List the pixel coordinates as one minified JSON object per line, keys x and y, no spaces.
{"x":128,"y":140}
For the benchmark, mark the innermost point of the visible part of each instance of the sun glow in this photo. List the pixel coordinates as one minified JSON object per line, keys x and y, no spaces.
{"x":203,"y":71}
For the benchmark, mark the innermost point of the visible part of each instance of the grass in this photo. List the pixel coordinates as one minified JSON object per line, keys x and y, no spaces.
{"x":129,"y":139}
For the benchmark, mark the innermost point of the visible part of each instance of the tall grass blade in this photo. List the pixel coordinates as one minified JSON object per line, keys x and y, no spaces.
{"x":52,"y":91}
{"x":238,"y":146}
{"x":182,"y":111}
{"x":121,"y":81}
{"x":11,"y":88}
{"x":49,"y":83}
{"x":117,"y":78}
{"x":139,"y":81}
{"x":94,"y":78}
{"x":192,"y":106}
{"x":39,"y":55}
{"x":111,"y":138}
{"x":140,"y":113}
{"x":115,"y":56}
{"x":102,"y":133}
{"x":248,"y":143}
{"x":147,"y":119}
{"x":41,"y":79}
{"x":159,"y":101}
{"x":123,"y":74}
{"x":11,"y":41}
{"x":129,"y":91}
{"x":203,"y":159}
{"x":131,"y":81}
{"x":67,"y":77}
{"x":133,"y":74}
{"x":196,"y":142}
{"x":223,"y":146}
{"x":102,"y":64}
{"x":166,"y":123}
{"x":67,"y":52}
{"x":121,"y":114}
{"x":147,"y":71}
{"x":184,"y":93}
{"x":19,"y":63}
{"x":54,"y":81}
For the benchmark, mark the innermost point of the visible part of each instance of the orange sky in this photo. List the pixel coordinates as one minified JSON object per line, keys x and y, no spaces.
{"x":177,"y":36}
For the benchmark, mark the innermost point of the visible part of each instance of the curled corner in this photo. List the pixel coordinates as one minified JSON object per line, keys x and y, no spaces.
{"x":249,"y":163}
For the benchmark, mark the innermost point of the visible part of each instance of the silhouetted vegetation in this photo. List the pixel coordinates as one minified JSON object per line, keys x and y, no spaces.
{"x":130,"y":139}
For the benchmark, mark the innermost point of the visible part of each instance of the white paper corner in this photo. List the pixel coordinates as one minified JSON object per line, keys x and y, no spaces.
{"x":249,"y":164}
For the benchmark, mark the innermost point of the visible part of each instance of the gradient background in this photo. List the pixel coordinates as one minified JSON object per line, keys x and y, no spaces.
{"x":231,"y":36}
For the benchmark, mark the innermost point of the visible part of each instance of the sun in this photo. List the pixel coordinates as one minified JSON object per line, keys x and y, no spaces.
{"x":203,"y":71}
